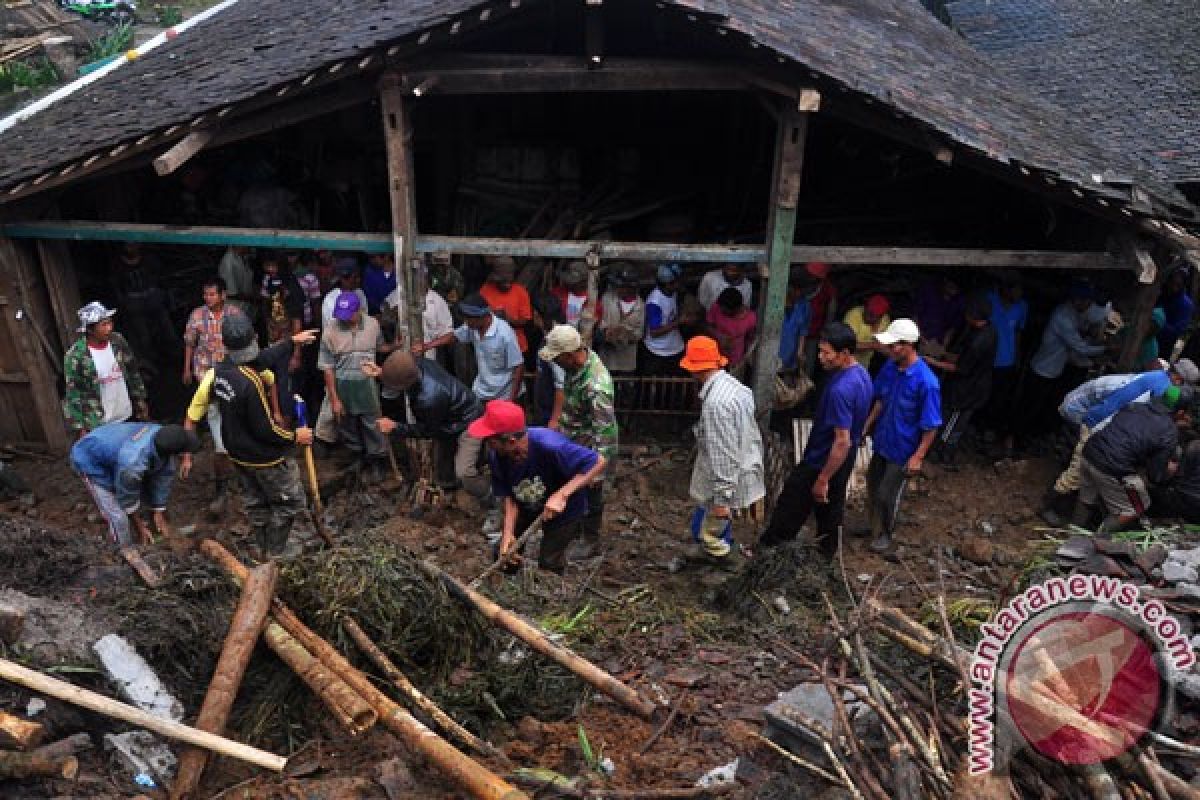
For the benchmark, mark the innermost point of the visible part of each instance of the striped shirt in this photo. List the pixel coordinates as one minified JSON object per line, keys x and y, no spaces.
{"x":729,"y":464}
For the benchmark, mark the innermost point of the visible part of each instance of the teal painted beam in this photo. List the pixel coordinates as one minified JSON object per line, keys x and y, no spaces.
{"x":790,"y":137}
{"x":214,"y":237}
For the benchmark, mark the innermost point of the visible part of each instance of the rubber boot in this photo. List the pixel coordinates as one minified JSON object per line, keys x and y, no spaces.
{"x":1083,"y":514}
{"x":276,"y":535}
{"x":1056,"y":508}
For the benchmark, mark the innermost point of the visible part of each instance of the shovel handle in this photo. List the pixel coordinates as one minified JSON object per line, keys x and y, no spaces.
{"x":301,"y":411}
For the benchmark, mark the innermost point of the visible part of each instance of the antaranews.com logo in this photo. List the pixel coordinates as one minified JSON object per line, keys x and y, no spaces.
{"x":1079,"y":668}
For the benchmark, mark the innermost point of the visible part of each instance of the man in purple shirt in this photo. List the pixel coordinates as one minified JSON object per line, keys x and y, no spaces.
{"x":536,"y":471}
{"x":817,"y":484}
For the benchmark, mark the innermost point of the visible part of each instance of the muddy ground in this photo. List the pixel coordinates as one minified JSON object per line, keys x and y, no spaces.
{"x":634,"y":612}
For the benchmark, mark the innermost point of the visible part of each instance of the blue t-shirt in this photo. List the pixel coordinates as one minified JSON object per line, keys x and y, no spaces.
{"x":912,"y":403}
{"x":1007,"y":321}
{"x":552,"y":461}
{"x":795,"y":325}
{"x":845,"y":403}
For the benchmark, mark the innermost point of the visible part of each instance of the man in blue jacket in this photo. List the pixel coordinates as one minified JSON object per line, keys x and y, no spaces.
{"x":1091,"y":406}
{"x":1139,"y":447}
{"x":126,"y":464}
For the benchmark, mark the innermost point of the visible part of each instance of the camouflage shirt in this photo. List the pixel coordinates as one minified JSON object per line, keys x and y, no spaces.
{"x":589,"y":416}
{"x":81,"y":404}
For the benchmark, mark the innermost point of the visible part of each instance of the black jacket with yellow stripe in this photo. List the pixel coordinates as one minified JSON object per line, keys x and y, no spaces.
{"x":250,"y":434}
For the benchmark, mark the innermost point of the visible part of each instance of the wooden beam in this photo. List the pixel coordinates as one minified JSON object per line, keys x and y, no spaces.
{"x":543,"y":74}
{"x":62,"y":285}
{"x":790,"y":137}
{"x":181,"y":151}
{"x":397,"y":134}
{"x":20,"y":329}
{"x":847,"y":255}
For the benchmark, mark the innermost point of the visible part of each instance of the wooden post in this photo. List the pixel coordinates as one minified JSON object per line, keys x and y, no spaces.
{"x":179,"y":153}
{"x":244,"y":629}
{"x":397,"y":133}
{"x":790,"y":136}
{"x":1150,"y":279}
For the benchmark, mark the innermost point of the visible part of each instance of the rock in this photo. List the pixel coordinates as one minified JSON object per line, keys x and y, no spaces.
{"x":987,"y":528}
{"x":93,"y":518}
{"x":135,"y":679}
{"x":142,"y":753}
{"x":35,"y":706}
{"x":1177,"y":572}
{"x":977,"y":550}
{"x":781,"y":605}
{"x":531,"y":730}
{"x":1189,"y":557}
{"x":686,"y":677}
{"x":720,"y":776}
{"x":676,"y":565}
{"x":395,"y":778}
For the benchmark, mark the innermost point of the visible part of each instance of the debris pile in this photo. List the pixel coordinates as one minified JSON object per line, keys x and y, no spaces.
{"x":885,"y":716}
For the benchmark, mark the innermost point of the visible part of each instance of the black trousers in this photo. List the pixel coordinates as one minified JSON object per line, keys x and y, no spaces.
{"x":1039,"y":403}
{"x":886,"y":482}
{"x":796,"y":503}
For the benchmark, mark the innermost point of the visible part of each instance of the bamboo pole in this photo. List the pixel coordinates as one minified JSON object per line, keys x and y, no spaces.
{"x":351,"y":710}
{"x":536,"y":639}
{"x":247,"y":625}
{"x":415,"y":696}
{"x":19,"y":734}
{"x":69,"y":693}
{"x":476,"y":779}
{"x":32,"y":765}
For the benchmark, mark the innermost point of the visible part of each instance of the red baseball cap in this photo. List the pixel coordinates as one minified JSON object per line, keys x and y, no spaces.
{"x":499,"y":417}
{"x":818,"y":269}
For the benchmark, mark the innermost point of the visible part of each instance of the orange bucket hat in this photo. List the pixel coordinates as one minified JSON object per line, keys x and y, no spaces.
{"x":702,"y":353}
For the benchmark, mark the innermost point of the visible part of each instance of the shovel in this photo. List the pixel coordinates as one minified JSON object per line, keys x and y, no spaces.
{"x":311,"y":468}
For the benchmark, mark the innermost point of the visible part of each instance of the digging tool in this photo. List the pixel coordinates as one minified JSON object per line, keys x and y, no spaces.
{"x":387,"y":441}
{"x":533,"y":528}
{"x":310,"y":467}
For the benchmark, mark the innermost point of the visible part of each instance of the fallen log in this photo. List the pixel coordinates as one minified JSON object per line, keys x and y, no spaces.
{"x":538,"y":640}
{"x":247,"y":625}
{"x":476,"y":779}
{"x":904,"y":630}
{"x":31,"y":765}
{"x":415,"y":696}
{"x":19,"y":734}
{"x":348,"y":706}
{"x":71,"y":746}
{"x":75,"y":695}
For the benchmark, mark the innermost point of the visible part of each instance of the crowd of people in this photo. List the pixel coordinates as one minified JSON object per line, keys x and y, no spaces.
{"x":514,"y":385}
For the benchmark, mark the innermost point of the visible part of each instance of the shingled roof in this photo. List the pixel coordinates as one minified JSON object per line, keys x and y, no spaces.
{"x":1128,"y":70}
{"x":893,"y":51}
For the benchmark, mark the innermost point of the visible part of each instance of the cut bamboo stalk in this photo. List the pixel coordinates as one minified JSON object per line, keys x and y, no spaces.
{"x":246,"y":626}
{"x":351,"y":710}
{"x":538,"y":640}
{"x":32,"y":765}
{"x":75,"y":695}
{"x":19,"y":734}
{"x":71,"y":746}
{"x":414,"y":695}
{"x":476,"y":779}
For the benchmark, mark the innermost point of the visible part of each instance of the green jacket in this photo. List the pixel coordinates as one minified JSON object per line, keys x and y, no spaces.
{"x":81,"y":404}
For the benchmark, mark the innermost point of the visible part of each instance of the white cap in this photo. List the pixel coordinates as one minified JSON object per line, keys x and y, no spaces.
{"x":901,"y":330}
{"x":560,"y":339}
